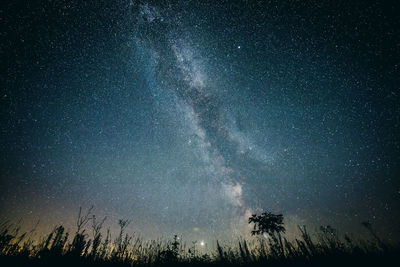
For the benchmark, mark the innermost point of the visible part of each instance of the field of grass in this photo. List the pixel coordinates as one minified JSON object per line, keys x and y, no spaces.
{"x":90,"y":246}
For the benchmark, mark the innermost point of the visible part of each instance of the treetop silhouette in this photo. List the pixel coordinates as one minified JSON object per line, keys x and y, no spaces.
{"x":267,"y":223}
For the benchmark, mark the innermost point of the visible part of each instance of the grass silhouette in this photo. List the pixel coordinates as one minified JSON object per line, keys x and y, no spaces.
{"x":327,"y":248}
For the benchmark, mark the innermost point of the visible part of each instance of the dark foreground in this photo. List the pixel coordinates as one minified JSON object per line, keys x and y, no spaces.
{"x":380,"y":259}
{"x":94,"y":247}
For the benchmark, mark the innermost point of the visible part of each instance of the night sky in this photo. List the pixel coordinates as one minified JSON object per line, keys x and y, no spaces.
{"x":188,"y":116}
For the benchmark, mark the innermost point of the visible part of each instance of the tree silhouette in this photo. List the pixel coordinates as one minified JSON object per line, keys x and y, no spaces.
{"x":267,"y":223}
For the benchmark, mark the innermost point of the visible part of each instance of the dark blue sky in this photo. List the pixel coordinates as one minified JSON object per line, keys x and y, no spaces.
{"x":188,"y":117}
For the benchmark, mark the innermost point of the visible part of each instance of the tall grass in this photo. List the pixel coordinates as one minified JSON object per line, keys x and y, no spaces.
{"x":89,"y":245}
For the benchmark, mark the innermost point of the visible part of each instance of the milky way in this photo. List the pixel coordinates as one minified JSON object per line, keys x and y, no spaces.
{"x":188,"y":117}
{"x":175,"y":77}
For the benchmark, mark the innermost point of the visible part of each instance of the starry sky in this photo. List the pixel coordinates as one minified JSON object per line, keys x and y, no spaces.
{"x":188,"y":116}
